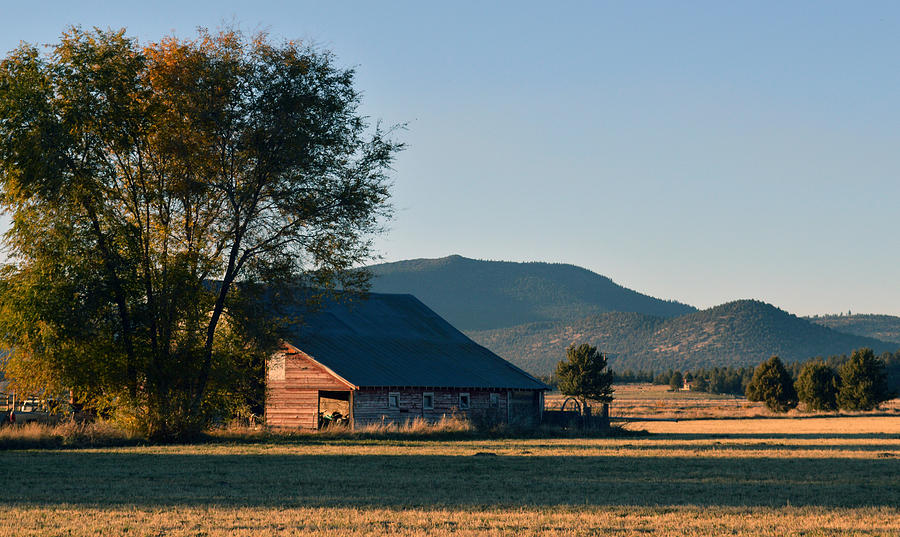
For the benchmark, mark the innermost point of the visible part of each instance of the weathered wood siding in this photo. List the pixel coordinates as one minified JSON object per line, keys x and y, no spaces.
{"x":370,"y":405}
{"x":292,"y":389}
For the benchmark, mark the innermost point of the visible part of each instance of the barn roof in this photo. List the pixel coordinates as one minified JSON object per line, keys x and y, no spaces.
{"x":396,"y":340}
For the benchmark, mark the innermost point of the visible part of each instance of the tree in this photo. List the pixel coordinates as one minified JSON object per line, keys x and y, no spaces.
{"x":676,"y":381}
{"x":817,"y":386}
{"x":154,"y":192}
{"x":863,"y":382}
{"x":584,"y":376}
{"x":772,"y":384}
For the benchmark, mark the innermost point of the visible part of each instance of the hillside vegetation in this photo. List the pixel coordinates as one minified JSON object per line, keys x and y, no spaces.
{"x":740,"y":333}
{"x":483,"y":295}
{"x":883,"y":327}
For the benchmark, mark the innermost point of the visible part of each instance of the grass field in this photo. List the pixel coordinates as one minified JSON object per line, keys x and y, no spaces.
{"x":656,"y":401}
{"x":819,"y":476}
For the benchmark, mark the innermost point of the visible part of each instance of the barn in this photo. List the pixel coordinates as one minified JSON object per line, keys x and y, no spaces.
{"x":389,"y":358}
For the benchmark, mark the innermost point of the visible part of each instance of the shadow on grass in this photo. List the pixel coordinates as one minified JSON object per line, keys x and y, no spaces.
{"x":239,"y":480}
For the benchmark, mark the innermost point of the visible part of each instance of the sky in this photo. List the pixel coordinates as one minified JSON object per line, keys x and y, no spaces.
{"x":696,"y":151}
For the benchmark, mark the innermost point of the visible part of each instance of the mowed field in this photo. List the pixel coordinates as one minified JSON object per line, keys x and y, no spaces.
{"x":813,"y":476}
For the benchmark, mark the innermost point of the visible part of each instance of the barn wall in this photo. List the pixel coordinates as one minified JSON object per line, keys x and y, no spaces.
{"x":292,"y":390}
{"x":370,"y":405}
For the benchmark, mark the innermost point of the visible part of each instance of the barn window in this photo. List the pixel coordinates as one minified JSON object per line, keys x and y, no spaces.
{"x":428,"y":400}
{"x":495,"y":400}
{"x":393,"y":400}
{"x":464,"y":401}
{"x":276,"y":367}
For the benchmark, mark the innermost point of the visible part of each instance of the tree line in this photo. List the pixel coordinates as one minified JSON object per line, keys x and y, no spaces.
{"x":859,"y":381}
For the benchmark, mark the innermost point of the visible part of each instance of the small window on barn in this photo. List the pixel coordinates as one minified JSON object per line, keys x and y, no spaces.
{"x":393,"y":400}
{"x":495,"y":400}
{"x":276,"y":367}
{"x":428,"y":400}
{"x":464,"y":401}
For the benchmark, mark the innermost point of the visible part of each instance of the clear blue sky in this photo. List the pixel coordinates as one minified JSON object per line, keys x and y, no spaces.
{"x":700,"y":151}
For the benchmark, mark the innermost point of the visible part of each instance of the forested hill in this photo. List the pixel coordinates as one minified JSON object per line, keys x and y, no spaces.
{"x":741,"y":333}
{"x":482,"y":295}
{"x":884,"y":327}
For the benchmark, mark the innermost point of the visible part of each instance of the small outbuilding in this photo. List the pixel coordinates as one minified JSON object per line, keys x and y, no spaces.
{"x":389,"y":358}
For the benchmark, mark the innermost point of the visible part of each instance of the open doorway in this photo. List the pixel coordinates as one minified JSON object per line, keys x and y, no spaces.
{"x":334,"y":408}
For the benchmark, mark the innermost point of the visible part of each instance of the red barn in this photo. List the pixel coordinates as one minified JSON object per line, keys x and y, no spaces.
{"x":389,"y":358}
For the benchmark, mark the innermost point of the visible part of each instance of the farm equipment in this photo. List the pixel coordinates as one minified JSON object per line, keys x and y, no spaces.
{"x":331,"y":419}
{"x":31,"y":410}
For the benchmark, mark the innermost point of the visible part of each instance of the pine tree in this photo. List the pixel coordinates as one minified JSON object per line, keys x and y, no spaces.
{"x":772,"y":384}
{"x":863,"y":382}
{"x":817,"y":386}
{"x":584,"y":375}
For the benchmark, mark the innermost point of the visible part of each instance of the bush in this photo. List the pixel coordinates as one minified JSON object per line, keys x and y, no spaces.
{"x":772,"y":384}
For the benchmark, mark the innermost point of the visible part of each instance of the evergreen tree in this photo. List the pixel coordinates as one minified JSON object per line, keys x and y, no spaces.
{"x":863,"y":382}
{"x":676,"y":381}
{"x":772,"y":384}
{"x":584,"y":375}
{"x":817,"y":386}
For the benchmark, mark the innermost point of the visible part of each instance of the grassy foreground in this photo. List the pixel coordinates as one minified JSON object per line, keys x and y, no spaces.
{"x":825,"y":476}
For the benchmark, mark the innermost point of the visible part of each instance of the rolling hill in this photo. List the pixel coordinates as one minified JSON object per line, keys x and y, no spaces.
{"x":883,"y":327}
{"x":741,"y":333}
{"x":483,"y":295}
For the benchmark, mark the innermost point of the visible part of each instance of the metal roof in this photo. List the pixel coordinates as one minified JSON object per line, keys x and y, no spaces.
{"x":396,"y":340}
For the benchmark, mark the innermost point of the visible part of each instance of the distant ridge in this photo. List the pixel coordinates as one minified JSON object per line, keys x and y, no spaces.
{"x":482,"y":295}
{"x":884,"y":327}
{"x":740,"y":333}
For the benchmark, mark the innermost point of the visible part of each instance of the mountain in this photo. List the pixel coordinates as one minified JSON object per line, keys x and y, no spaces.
{"x":884,"y":327}
{"x":741,"y":333}
{"x":483,"y":295}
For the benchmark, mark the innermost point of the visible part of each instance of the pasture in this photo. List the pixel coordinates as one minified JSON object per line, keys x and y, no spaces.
{"x":813,"y":476}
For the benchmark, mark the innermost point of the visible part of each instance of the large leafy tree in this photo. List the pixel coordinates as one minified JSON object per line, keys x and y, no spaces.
{"x":863,"y":382}
{"x":584,"y":375}
{"x":772,"y":384}
{"x":152,"y":189}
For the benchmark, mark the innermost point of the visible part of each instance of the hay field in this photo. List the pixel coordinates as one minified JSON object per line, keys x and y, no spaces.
{"x":824,"y":476}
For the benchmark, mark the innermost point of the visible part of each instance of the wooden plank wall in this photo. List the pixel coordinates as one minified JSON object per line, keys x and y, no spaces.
{"x":293,"y":401}
{"x":370,"y":405}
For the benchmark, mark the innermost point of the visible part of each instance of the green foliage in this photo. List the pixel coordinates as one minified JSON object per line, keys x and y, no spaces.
{"x":772,"y":385}
{"x":676,"y":381}
{"x":863,"y":382}
{"x":817,"y":386}
{"x":630,"y":376}
{"x":584,"y":375}
{"x":136,"y":175}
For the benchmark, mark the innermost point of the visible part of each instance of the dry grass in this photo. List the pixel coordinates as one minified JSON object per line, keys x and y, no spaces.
{"x":656,"y":401}
{"x":826,"y":476}
{"x":66,"y":434}
{"x":342,"y":521}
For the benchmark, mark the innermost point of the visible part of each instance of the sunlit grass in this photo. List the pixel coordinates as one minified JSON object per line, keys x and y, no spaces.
{"x":821,"y":476}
